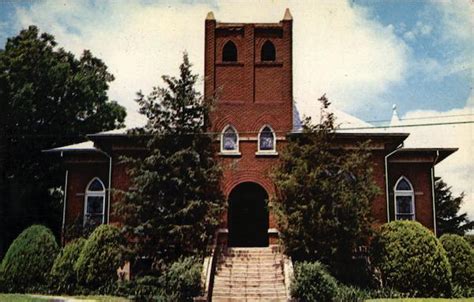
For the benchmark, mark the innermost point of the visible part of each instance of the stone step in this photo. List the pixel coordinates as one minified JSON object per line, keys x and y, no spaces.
{"x":228,"y":278}
{"x":248,"y":283}
{"x":248,"y":275}
{"x":249,"y":292}
{"x":265,"y":268}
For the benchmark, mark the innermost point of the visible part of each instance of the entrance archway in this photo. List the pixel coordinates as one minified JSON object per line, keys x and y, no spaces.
{"x":248,"y":215}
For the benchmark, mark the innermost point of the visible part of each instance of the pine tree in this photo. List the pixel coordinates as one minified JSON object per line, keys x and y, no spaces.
{"x":448,"y":219}
{"x":174,"y":202}
{"x":325,"y":194}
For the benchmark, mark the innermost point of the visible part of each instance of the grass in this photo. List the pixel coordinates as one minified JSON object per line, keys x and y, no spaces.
{"x":42,"y":298}
{"x":422,"y":300}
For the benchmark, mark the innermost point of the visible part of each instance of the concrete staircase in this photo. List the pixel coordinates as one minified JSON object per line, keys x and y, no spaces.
{"x":249,"y":274}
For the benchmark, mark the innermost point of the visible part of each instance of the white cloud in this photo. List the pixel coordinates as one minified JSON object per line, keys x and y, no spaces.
{"x":338,"y":50}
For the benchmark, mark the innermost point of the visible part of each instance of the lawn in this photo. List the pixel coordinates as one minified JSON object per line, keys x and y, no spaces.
{"x":422,"y":300}
{"x":41,"y":298}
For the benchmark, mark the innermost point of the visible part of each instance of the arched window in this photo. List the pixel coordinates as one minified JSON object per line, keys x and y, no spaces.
{"x":94,"y":208}
{"x":268,"y":52}
{"x":404,"y":200}
{"x":266,"y":139}
{"x":229,"y":52}
{"x":229,"y":140}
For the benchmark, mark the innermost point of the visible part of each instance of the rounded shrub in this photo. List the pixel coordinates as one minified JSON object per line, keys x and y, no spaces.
{"x":312,"y":282}
{"x":100,"y":258}
{"x":28,"y":261}
{"x":63,"y":275}
{"x":461,"y":257}
{"x":411,"y":259}
{"x":182,"y":280}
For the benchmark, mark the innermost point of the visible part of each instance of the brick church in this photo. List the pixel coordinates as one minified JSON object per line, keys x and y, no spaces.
{"x":250,"y":67}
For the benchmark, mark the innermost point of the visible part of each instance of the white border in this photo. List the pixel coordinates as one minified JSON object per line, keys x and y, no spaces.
{"x":410,"y":193}
{"x":95,"y":194}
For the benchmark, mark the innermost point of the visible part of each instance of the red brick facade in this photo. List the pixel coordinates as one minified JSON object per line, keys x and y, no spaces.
{"x":252,"y":93}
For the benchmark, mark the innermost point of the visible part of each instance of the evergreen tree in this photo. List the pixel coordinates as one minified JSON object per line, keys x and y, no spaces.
{"x":174,"y":203}
{"x":325,"y":195}
{"x":448,"y":219}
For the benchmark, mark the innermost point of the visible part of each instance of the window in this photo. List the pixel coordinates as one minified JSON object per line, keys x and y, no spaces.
{"x":229,"y":140}
{"x":266,"y":140}
{"x":268,"y":52}
{"x":94,"y":203}
{"x":229,"y":52}
{"x":404,"y":200}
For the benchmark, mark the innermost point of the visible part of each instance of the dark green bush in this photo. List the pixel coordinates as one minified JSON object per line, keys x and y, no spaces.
{"x":100,"y":258}
{"x":63,"y":275}
{"x":28,"y":261}
{"x":461,"y":257}
{"x":182,"y":280}
{"x":411,"y":259}
{"x":312,"y":282}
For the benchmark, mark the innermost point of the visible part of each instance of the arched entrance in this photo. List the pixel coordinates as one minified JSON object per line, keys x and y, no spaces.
{"x":248,"y":215}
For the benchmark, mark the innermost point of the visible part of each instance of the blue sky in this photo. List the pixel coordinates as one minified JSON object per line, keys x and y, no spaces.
{"x":423,"y":90}
{"x":365,"y":55}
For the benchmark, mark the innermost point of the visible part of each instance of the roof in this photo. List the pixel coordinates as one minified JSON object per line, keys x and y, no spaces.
{"x":87,"y":146}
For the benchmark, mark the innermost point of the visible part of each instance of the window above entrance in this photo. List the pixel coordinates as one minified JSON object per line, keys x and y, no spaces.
{"x":229,"y":141}
{"x":266,"y":141}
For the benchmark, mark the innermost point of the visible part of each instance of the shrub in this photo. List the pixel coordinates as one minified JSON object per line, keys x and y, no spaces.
{"x":182,"y":280}
{"x":313,"y":283}
{"x":355,"y":294}
{"x":63,"y":275}
{"x":461,"y":257}
{"x":29,"y":258}
{"x":100,"y":258}
{"x":411,"y":259}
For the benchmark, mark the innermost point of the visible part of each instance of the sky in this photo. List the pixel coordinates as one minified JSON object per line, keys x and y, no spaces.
{"x":366,"y":55}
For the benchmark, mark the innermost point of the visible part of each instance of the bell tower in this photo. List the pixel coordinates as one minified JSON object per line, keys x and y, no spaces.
{"x":248,"y":67}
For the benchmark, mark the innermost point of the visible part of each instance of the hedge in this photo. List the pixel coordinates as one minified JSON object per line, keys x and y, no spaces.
{"x":100,"y":258}
{"x":63,"y":275}
{"x":28,"y":261}
{"x":411,"y":259}
{"x":312,"y":282}
{"x":461,"y":257}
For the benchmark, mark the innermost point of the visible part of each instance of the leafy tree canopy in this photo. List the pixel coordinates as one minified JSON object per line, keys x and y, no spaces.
{"x":448,"y":218}
{"x":48,"y":98}
{"x":325,"y":195}
{"x":174,"y":202}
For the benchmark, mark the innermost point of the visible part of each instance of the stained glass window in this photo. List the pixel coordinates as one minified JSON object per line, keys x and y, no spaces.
{"x":266,"y":139}
{"x":230,"y":140}
{"x":95,"y":203}
{"x":404,"y":200}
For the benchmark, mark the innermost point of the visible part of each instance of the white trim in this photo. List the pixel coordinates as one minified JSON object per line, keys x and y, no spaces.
{"x":410,"y":193}
{"x":234,"y":152}
{"x":65,"y":201}
{"x":387,"y":177}
{"x":433,"y":192}
{"x":108,"y":193}
{"x":94,"y":194}
{"x":266,"y":152}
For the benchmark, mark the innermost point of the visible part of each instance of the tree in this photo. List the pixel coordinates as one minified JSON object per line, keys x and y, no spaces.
{"x":448,"y":219}
{"x":325,"y":193}
{"x":48,"y":98}
{"x":174,"y":202}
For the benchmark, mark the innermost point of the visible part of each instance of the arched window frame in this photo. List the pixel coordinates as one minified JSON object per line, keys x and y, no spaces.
{"x":235,"y":151}
{"x":268,"y":43}
{"x":89,"y":193}
{"x":266,"y":152}
{"x":404,"y":193}
{"x":230,"y":43}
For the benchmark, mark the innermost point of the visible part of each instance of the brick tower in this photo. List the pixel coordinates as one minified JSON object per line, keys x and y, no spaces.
{"x":248,"y":67}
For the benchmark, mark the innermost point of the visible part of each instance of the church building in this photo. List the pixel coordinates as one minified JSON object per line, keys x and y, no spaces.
{"x":249,"y":66}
